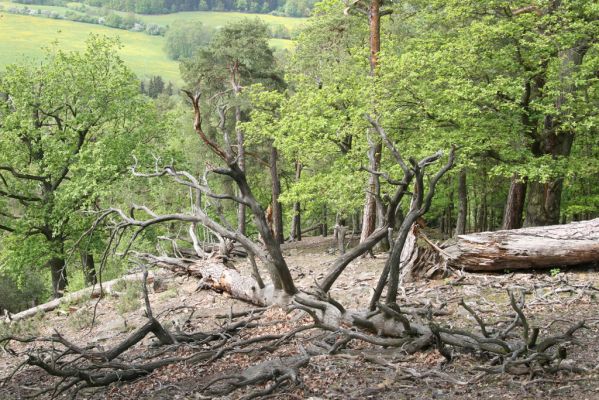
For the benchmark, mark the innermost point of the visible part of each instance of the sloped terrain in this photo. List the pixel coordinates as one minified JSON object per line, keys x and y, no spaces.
{"x":554,"y":302}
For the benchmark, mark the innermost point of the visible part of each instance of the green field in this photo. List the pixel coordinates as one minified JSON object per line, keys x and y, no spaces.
{"x":218,"y":19}
{"x":23,"y":37}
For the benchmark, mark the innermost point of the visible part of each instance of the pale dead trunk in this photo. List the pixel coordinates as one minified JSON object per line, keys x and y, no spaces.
{"x":528,"y":248}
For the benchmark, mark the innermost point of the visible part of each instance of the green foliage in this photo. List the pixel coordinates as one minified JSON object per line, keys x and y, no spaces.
{"x":184,"y":38}
{"x":517,"y":92}
{"x":24,"y":328}
{"x":243,"y":45}
{"x":88,"y":15}
{"x":29,"y":292}
{"x":69,"y":127}
{"x":129,"y":293}
{"x":295,"y":8}
{"x":81,"y":319}
{"x":555,"y":272}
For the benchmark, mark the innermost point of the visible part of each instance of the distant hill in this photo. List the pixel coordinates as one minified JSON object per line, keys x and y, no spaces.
{"x":22,"y":37}
{"x":291,"y":8}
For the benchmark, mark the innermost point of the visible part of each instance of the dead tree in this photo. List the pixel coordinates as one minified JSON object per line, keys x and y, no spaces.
{"x":516,"y":349}
{"x":296,"y":225}
{"x":573,"y":244}
{"x":419,"y":206}
{"x":387,"y":324}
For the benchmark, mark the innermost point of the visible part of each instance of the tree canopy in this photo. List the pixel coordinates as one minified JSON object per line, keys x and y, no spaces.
{"x":69,"y":128}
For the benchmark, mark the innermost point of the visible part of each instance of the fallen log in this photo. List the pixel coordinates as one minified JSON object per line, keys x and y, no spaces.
{"x":553,"y":246}
{"x":89,"y":292}
{"x":215,"y":275}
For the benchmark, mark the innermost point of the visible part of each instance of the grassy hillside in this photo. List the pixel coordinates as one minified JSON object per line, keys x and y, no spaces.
{"x":218,"y":19}
{"x":22,"y":37}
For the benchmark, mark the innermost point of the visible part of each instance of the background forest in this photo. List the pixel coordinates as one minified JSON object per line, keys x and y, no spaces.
{"x":512,"y":85}
{"x":292,"y":8}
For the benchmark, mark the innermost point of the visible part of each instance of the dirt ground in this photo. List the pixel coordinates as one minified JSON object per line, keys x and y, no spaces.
{"x":555,"y":300}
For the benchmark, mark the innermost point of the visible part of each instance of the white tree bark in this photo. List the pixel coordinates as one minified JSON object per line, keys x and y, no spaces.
{"x":539,"y":247}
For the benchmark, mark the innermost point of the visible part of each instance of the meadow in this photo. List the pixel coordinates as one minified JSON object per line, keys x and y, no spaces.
{"x":217,"y":19}
{"x":22,"y":38}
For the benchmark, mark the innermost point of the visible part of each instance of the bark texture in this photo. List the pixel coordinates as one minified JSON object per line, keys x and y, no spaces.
{"x":540,"y":247}
{"x":215,"y":275}
{"x":277,"y":208}
{"x":296,"y":222}
{"x":59,"y":276}
{"x":514,"y":205}
{"x":376,"y":147}
{"x":89,"y":269}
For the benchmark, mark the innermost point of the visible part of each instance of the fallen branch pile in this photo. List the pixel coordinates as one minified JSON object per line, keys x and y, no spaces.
{"x":514,"y":349}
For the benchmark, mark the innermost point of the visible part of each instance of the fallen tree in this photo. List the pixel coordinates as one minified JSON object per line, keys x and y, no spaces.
{"x":95,"y":291}
{"x":544,"y":247}
{"x":517,"y":348}
{"x":573,"y":244}
{"x":387,"y":324}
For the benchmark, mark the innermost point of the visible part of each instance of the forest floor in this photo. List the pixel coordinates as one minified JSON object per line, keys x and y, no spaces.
{"x":555,"y":300}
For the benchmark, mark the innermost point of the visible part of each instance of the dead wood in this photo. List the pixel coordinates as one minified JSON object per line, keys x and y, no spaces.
{"x":519,"y":347}
{"x":573,"y":244}
{"x":89,"y":292}
{"x":215,"y":275}
{"x":515,"y":350}
{"x":280,"y":370}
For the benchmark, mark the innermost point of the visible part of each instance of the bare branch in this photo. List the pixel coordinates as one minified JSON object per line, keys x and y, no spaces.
{"x":6,"y":228}
{"x":385,"y":175}
{"x":186,"y":179}
{"x":195,"y":101}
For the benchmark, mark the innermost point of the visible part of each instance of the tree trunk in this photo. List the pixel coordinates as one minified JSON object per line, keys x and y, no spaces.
{"x":241,"y":210}
{"x":544,"y":202}
{"x":272,"y":256}
{"x":277,"y":209}
{"x":58,"y":270}
{"x":514,"y":206}
{"x":216,"y":276}
{"x":325,"y":227}
{"x":89,"y":269}
{"x":374,"y":153}
{"x":370,"y":206}
{"x":374,"y":21}
{"x":340,"y":231}
{"x":83,"y":294}
{"x":448,"y":214}
{"x":556,"y":140}
{"x":540,"y":247}
{"x":341,"y":262}
{"x":296,"y":222}
{"x":460,"y":228}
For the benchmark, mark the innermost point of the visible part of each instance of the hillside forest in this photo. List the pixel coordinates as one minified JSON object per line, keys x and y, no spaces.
{"x":291,"y":8}
{"x":390,"y":130}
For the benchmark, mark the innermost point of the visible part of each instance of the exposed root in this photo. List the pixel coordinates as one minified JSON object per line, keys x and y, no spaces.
{"x":517,"y":350}
{"x":278,"y":370}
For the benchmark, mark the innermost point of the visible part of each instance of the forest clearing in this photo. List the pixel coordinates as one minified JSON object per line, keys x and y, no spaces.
{"x":401,"y":204}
